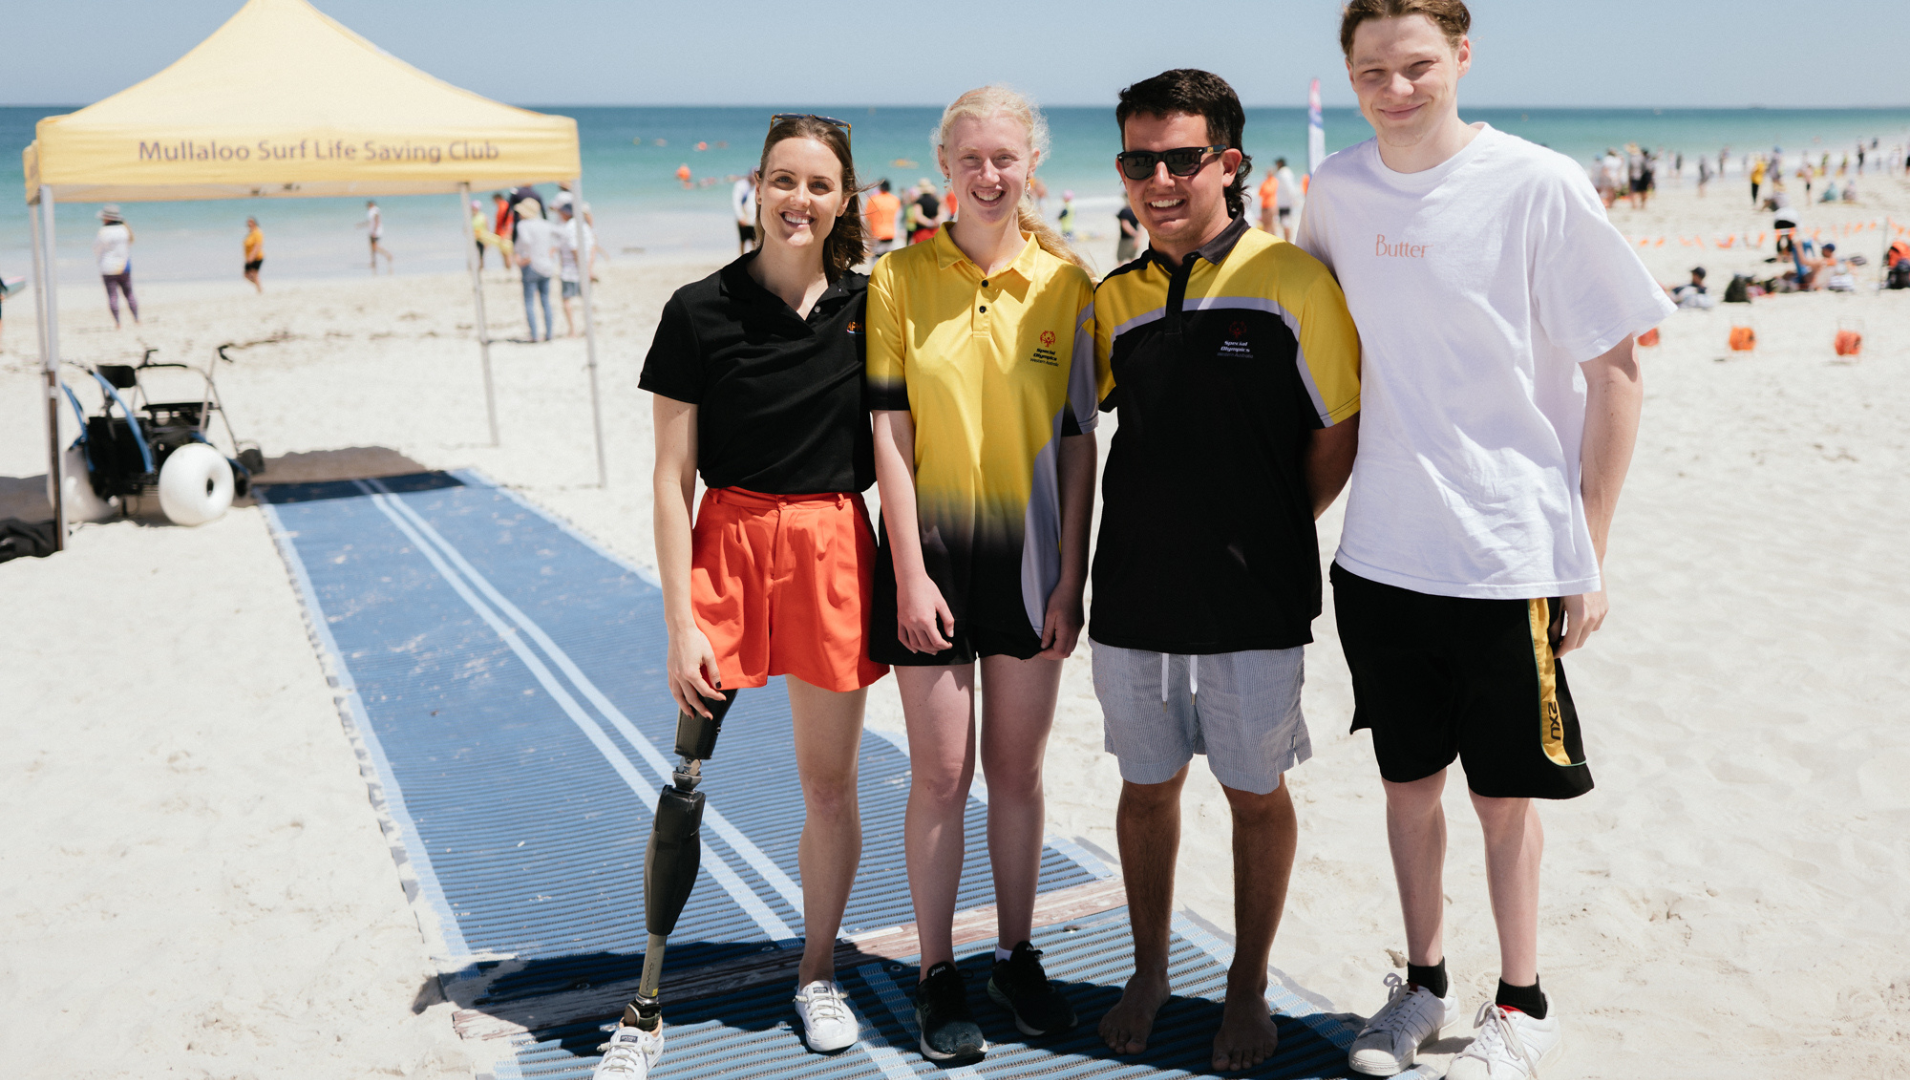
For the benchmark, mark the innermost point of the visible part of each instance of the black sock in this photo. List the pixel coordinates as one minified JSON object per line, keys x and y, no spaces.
{"x":1432,"y":977}
{"x":1527,"y":999}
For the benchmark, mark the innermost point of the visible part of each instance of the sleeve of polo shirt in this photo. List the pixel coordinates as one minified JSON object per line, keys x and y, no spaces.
{"x":674,"y":367}
{"x":1084,"y":366}
{"x":1329,"y":350}
{"x":884,"y":366}
{"x":1103,"y":330}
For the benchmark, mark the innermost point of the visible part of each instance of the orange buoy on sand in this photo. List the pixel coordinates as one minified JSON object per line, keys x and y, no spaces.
{"x":1849,"y":343}
{"x":1649,"y":337}
{"x":1743,"y":339}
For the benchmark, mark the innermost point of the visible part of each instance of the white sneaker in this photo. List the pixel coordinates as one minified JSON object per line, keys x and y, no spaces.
{"x":827,"y":1023}
{"x":1510,"y":1046}
{"x":629,"y":1054}
{"x":1411,"y":1018}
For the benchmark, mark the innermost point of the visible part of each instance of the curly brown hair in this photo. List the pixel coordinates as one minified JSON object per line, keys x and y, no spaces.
{"x":844,"y":248}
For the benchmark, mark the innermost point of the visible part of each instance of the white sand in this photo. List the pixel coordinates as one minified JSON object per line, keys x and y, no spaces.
{"x":194,"y":882}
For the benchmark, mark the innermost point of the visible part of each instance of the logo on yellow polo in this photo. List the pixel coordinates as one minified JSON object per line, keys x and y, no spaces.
{"x":1044,"y":353}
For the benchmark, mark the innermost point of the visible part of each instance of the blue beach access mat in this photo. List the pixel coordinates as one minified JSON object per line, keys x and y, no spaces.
{"x":501,"y":678}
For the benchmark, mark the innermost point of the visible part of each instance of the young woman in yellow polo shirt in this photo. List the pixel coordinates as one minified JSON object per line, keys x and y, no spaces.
{"x":981,"y":377}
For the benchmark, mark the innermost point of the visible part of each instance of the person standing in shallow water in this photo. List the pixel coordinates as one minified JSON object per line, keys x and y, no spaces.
{"x":757,"y":373}
{"x":984,"y":539}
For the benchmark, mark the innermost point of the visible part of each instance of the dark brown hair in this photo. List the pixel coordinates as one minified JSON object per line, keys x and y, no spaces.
{"x":1450,"y":16}
{"x":1198,"y":93}
{"x":844,"y":248}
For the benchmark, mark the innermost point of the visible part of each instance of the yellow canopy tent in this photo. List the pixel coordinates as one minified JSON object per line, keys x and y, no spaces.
{"x":284,"y":101}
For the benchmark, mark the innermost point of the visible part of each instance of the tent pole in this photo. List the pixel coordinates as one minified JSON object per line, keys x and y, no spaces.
{"x":477,"y":295}
{"x":48,"y":307}
{"x":584,"y":251}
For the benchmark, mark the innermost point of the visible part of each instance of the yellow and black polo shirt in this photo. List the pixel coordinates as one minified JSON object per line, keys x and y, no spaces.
{"x":994,"y":371}
{"x":1221,"y":369}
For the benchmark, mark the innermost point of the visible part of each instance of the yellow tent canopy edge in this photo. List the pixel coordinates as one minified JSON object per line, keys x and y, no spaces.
{"x":284,"y":101}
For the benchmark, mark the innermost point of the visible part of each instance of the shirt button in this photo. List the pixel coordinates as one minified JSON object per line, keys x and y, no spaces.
{"x":984,"y":283}
{"x":984,"y":307}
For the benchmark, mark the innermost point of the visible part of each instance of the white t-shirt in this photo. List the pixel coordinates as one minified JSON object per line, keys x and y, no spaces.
{"x":374,"y":222}
{"x":537,"y":241}
{"x":113,"y":247}
{"x":1285,"y":186}
{"x":743,"y":201}
{"x":566,"y":235}
{"x":1478,"y":287}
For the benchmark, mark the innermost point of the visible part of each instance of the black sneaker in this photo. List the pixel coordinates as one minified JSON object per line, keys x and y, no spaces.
{"x":1022,"y":987}
{"x":948,"y":1029}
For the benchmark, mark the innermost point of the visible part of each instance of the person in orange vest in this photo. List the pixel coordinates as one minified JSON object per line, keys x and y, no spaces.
{"x":881,"y":212}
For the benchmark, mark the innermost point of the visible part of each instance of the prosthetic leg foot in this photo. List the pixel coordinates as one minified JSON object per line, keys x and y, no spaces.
{"x":669,"y":873}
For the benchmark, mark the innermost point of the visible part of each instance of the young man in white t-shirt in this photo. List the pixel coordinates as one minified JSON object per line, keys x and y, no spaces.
{"x":1497,"y":309}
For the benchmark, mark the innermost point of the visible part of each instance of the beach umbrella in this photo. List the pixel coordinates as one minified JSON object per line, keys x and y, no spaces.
{"x":285,"y":102}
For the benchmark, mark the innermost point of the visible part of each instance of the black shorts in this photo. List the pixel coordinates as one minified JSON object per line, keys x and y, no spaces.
{"x":746,"y":233}
{"x":254,"y":264}
{"x":989,"y":617}
{"x":1443,"y":677}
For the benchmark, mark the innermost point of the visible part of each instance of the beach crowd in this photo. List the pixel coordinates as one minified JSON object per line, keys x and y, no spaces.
{"x":1478,"y":389}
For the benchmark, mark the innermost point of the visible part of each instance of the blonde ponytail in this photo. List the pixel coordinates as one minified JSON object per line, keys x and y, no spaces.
{"x":1051,"y":242}
{"x":985,"y":103}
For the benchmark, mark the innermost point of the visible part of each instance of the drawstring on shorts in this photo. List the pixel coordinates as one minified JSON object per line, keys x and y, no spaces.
{"x":1193,"y":676}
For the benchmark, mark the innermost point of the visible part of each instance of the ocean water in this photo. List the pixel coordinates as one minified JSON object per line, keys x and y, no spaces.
{"x":631,"y":155}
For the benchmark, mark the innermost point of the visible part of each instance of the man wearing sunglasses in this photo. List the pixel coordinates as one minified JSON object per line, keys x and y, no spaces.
{"x":1234,"y":367}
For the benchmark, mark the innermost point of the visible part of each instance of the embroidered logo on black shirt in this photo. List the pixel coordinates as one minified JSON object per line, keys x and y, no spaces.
{"x":1236,"y":345}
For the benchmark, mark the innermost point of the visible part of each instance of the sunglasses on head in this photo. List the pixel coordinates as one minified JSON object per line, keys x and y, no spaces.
{"x":848,"y":129}
{"x":1181,"y":161}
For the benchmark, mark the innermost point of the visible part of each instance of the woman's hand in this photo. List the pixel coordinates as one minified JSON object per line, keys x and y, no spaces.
{"x":1061,"y":626}
{"x":923,"y":621}
{"x":691,"y":658}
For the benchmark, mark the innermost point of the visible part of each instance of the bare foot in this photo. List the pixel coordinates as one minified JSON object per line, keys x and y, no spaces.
{"x":1127,"y":1025}
{"x":1247,"y":1036}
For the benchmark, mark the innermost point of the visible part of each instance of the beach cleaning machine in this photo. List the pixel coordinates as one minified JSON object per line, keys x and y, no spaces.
{"x":139,"y":447}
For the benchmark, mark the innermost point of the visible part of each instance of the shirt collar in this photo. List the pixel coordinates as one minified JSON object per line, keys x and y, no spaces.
{"x":947,"y":255}
{"x":1215,"y":251}
{"x":738,"y":285}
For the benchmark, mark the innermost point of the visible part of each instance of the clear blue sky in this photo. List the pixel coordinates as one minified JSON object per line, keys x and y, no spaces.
{"x":722,"y":52}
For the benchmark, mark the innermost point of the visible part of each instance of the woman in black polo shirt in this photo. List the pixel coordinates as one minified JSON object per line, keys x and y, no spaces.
{"x":758,"y":376}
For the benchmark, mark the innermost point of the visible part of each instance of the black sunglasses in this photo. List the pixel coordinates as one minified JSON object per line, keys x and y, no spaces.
{"x":1181,"y":161}
{"x":848,"y":129}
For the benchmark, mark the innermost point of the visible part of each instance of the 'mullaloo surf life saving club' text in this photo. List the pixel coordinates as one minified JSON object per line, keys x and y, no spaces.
{"x":368,"y":151}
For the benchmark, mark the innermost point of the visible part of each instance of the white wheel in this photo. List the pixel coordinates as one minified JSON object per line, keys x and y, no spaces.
{"x":195,"y":485}
{"x":81,"y":503}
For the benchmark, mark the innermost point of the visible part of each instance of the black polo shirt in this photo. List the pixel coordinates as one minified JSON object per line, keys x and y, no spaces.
{"x":1220,"y":369}
{"x":780,"y":401}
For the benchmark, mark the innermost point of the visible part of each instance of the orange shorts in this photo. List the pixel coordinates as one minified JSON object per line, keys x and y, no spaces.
{"x":783,"y":585}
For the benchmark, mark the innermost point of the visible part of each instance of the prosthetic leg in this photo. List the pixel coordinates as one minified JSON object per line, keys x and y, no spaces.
{"x":676,"y":847}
